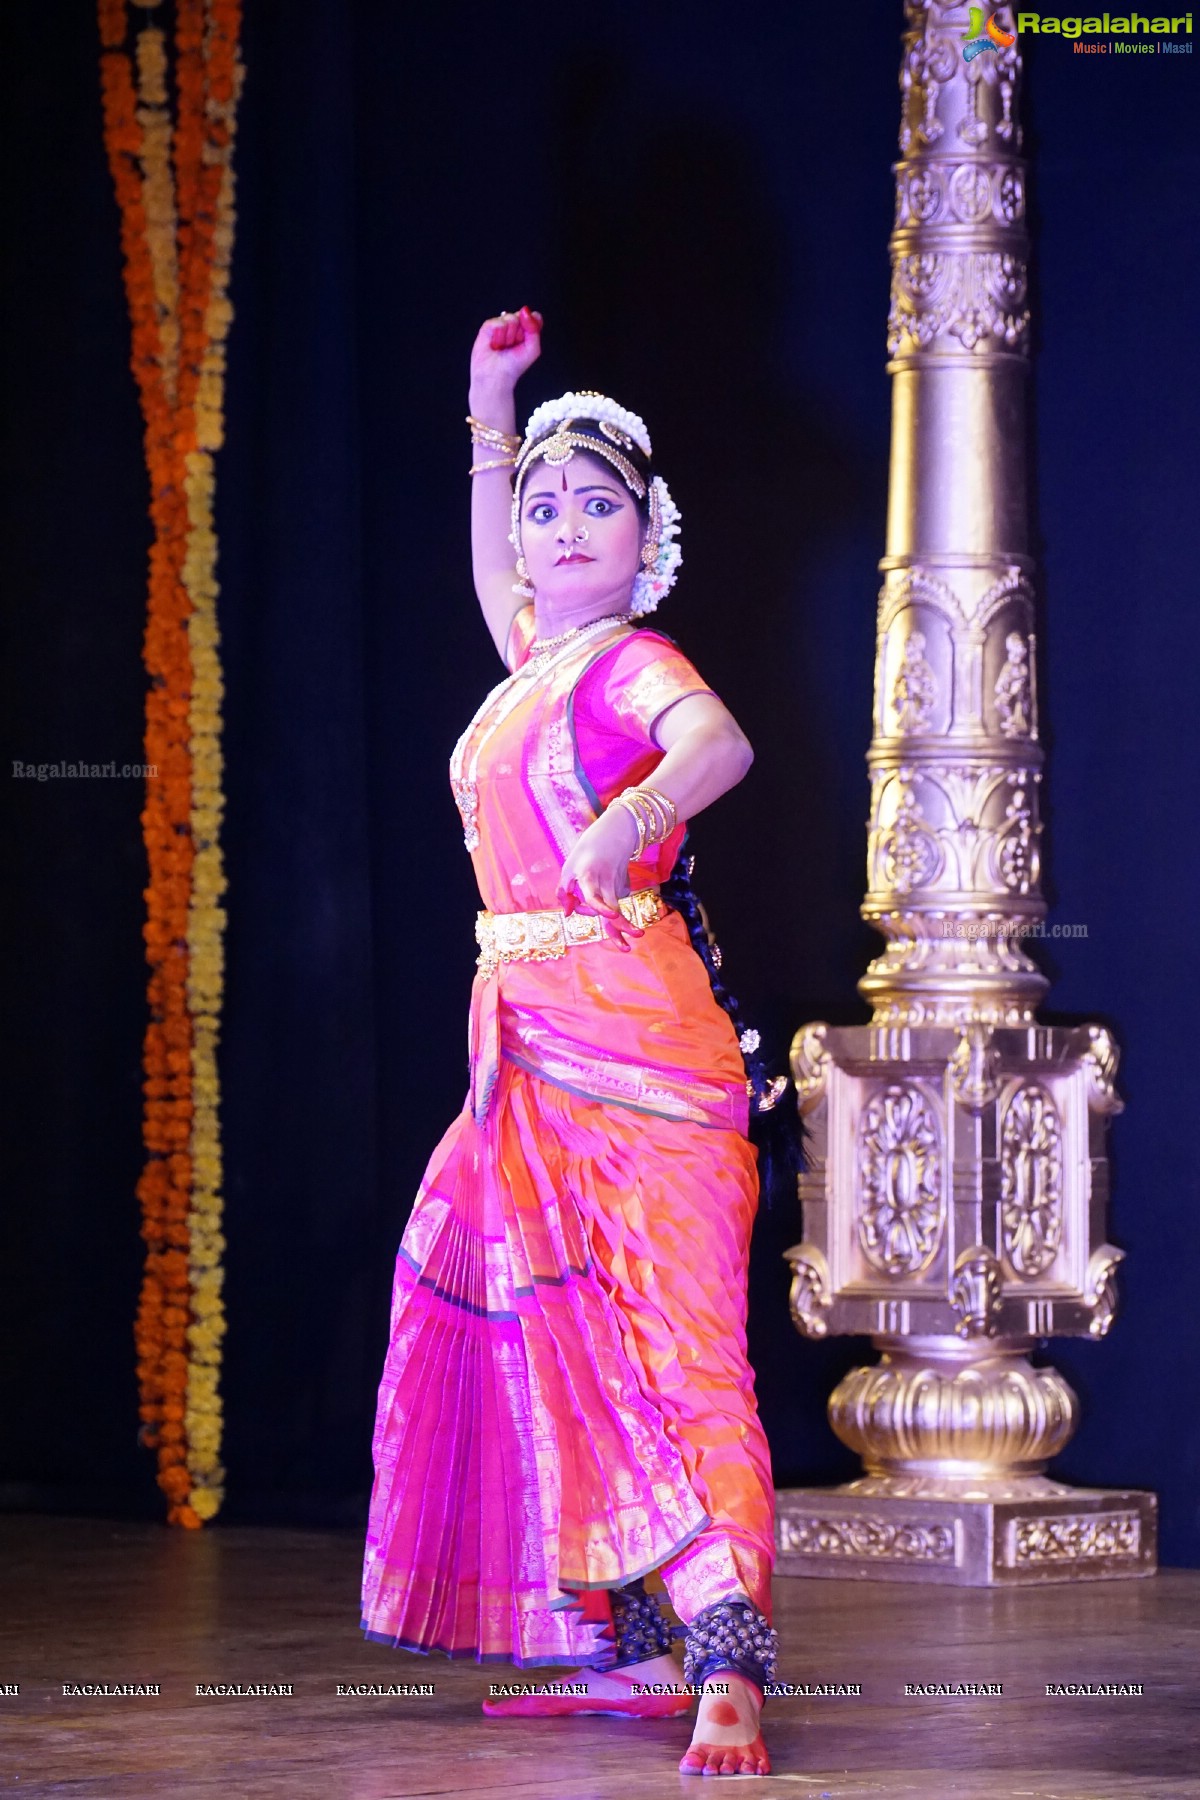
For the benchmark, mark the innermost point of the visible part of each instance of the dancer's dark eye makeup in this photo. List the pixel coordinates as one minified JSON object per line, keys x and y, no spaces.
{"x":542,"y":508}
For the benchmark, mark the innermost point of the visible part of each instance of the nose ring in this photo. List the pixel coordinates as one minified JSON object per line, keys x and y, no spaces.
{"x":581,"y":536}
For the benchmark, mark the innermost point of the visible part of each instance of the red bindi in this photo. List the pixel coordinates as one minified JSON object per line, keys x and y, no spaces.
{"x":564,"y":481}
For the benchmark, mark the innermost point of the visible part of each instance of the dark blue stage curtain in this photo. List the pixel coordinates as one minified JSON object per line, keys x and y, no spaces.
{"x":698,"y":198}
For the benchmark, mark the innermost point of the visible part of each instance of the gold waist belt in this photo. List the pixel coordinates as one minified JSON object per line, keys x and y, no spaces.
{"x":541,"y":936}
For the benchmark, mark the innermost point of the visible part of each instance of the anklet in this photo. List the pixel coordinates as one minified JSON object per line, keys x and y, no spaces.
{"x":730,"y":1634}
{"x":640,"y":1627}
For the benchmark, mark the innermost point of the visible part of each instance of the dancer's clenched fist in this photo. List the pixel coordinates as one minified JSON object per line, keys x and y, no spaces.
{"x":505,"y":346}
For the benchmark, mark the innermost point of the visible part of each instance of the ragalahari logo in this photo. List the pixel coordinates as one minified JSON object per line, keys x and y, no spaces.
{"x":981,"y":37}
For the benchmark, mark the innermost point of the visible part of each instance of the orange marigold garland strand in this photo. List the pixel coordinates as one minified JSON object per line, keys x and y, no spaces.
{"x":160,"y":1361}
{"x":176,"y":238}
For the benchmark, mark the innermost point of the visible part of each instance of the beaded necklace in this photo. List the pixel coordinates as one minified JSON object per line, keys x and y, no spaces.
{"x":543,"y":647}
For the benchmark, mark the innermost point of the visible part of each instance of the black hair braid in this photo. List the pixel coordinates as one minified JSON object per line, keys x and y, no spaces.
{"x":775,"y":1123}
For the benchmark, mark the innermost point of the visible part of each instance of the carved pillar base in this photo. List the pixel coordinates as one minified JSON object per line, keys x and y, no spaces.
{"x":954,"y":1209}
{"x":954,"y":1437}
{"x":951,"y":1534}
{"x":954,"y":1411}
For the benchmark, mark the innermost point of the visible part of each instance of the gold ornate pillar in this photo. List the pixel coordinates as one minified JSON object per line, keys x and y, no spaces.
{"x":955,"y":1203}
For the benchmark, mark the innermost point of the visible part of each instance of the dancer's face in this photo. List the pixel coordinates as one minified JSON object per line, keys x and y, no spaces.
{"x":582,"y":575}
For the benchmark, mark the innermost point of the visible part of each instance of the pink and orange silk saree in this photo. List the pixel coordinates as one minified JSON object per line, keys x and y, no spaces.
{"x":566,"y":1401}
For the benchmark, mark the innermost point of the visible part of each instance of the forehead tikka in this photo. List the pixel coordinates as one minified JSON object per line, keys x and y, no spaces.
{"x":560,"y":445}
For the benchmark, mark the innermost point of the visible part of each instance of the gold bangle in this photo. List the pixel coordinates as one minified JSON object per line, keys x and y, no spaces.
{"x":656,"y":818}
{"x":660,"y":824}
{"x":492,"y":437}
{"x":643,"y":829}
{"x":482,"y":425}
{"x":663,"y":800}
{"x":501,"y":462}
{"x":652,"y":808}
{"x":623,"y":800}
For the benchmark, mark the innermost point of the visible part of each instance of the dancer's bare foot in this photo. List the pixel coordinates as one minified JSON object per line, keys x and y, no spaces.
{"x":604,"y":1691}
{"x":727,"y":1740}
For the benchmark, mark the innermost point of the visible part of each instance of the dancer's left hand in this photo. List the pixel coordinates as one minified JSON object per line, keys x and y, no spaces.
{"x":596,"y":873}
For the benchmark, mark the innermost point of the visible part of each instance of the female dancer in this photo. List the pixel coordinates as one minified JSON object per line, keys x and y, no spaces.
{"x":566,"y":1403}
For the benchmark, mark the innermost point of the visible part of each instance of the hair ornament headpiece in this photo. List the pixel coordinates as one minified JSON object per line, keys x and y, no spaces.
{"x":549,"y":438}
{"x":558,"y":447}
{"x":615,"y":435}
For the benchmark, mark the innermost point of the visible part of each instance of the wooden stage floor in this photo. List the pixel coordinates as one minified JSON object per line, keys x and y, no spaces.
{"x":88,"y":1601}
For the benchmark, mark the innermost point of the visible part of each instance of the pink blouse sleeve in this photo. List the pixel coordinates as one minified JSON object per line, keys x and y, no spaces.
{"x":520,"y":635}
{"x":627,"y":691}
{"x":616,"y":707}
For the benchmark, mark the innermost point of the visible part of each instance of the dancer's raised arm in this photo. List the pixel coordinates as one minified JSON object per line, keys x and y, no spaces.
{"x":504,"y":348}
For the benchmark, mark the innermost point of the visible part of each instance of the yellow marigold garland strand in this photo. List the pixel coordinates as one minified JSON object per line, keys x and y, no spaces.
{"x":177,"y":237}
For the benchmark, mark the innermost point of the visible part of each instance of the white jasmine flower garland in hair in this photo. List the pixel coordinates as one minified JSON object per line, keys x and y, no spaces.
{"x":587,"y":405}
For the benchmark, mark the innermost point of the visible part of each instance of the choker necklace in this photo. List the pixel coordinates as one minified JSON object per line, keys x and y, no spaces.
{"x":546,"y":646}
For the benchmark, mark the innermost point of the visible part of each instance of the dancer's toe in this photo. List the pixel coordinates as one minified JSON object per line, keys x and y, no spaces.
{"x":725,"y":1759}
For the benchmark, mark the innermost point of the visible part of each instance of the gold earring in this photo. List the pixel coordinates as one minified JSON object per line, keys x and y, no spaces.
{"x":651,"y":546}
{"x":523,"y":585}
